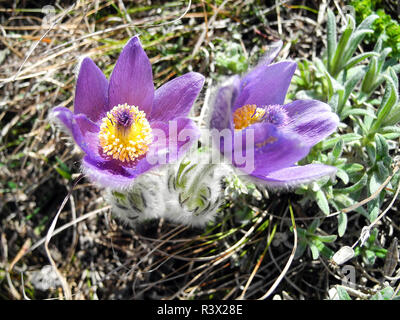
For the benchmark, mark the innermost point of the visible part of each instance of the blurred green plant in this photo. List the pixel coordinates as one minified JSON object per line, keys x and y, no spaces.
{"x":386,"y":293}
{"x":384,"y":26}
{"x":370,"y":249}
{"x":231,"y":57}
{"x":308,"y":238}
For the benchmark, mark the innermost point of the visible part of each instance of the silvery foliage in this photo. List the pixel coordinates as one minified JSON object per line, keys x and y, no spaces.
{"x":363,"y":90}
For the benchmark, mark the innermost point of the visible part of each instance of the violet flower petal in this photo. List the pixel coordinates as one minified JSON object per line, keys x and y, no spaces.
{"x":82,"y":130}
{"x":112,"y":174}
{"x":91,"y":91}
{"x":221,"y":117}
{"x":311,"y":119}
{"x":85,"y":124}
{"x":273,"y":149}
{"x":173,"y":139}
{"x":266,"y":85}
{"x":90,"y":132}
{"x":131,"y":81}
{"x":67,"y":119}
{"x":296,"y":175}
{"x":271,"y":53}
{"x":175,"y":98}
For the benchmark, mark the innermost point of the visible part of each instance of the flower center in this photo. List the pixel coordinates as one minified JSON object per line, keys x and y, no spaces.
{"x":250,"y":114}
{"x":276,"y":115}
{"x":125,"y":134}
{"x":247,"y":115}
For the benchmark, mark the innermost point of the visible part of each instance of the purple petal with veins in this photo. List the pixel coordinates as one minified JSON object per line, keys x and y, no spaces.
{"x":281,"y":134}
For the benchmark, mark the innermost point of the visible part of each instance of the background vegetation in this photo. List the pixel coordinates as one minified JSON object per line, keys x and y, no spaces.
{"x":252,"y":250}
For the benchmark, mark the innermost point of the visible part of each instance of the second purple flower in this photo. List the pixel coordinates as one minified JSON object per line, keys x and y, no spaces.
{"x":282,"y":134}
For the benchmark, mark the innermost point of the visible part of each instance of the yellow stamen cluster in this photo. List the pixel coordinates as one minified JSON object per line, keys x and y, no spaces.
{"x":247,"y":115}
{"x":125,"y":134}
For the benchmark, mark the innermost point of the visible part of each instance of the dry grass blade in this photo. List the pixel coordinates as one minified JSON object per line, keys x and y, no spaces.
{"x":66,"y":289}
{"x":391,"y":259}
{"x":366,"y":230}
{"x":289,"y":262}
{"x":41,"y":38}
{"x":257,"y":266}
{"x":67,"y":225}
{"x":207,"y":24}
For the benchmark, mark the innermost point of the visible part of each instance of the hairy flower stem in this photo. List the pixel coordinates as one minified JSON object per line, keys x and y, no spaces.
{"x":196,"y":181}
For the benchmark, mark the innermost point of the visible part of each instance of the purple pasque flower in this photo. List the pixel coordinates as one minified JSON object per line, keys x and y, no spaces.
{"x":261,"y":129}
{"x":117,"y":122}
